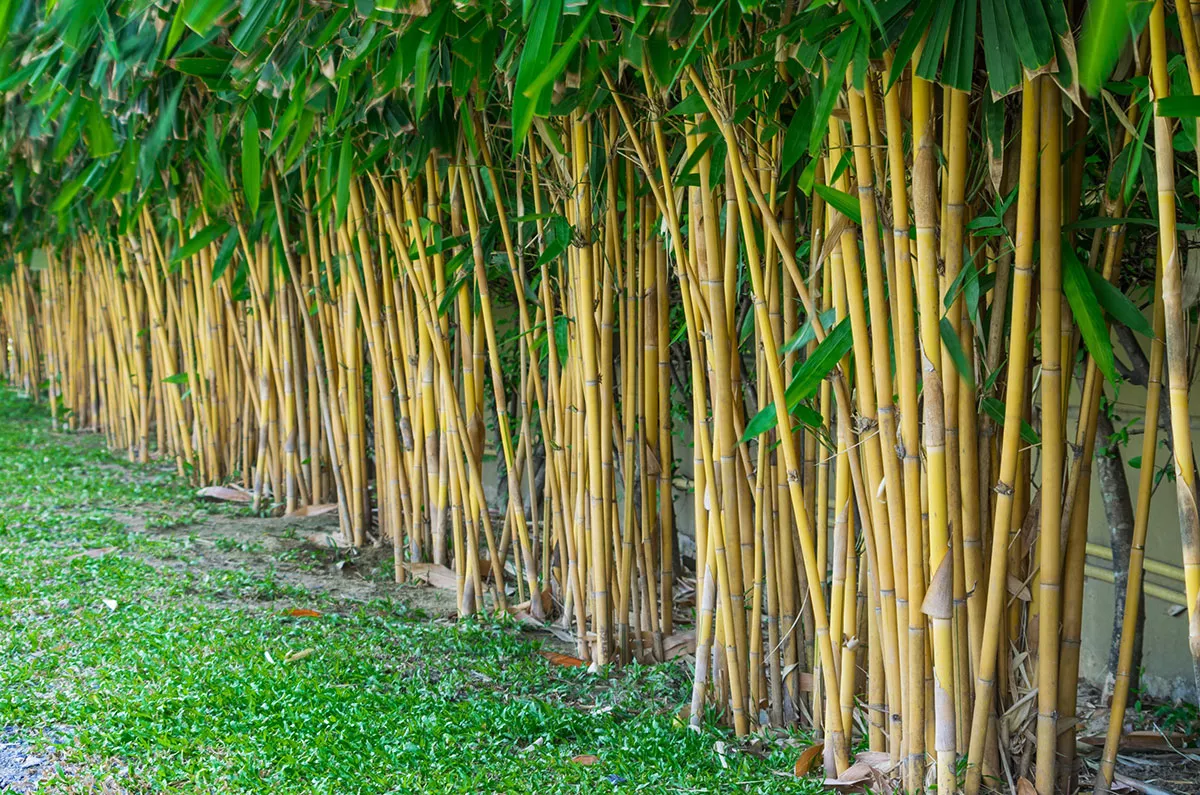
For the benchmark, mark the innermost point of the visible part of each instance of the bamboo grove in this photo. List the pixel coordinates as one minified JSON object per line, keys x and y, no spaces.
{"x":372,"y":256}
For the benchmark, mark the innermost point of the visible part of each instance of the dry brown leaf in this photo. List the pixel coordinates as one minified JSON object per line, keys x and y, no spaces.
{"x":678,"y":644}
{"x":565,"y":660}
{"x":298,"y":655}
{"x":586,"y":759}
{"x":224,"y":494}
{"x":1019,"y":589}
{"x":1142,"y":740}
{"x":312,"y":510}
{"x":870,"y":769}
{"x":1025,"y":787}
{"x":303,"y":612}
{"x":804,"y":763}
{"x":435,"y":575}
{"x":328,"y":540}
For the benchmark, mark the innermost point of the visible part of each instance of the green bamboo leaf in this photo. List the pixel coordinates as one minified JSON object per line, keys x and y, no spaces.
{"x":299,"y":139}
{"x":251,"y":161}
{"x":955,"y":349}
{"x":1182,"y":106}
{"x":1118,"y":305}
{"x":843,"y":47}
{"x":98,"y":134}
{"x":7,"y":10}
{"x":547,"y":77}
{"x":345,"y":171}
{"x":807,"y":379}
{"x":199,"y":241}
{"x":843,"y":202}
{"x":1085,"y":308}
{"x":797,"y":135}
{"x":178,"y":378}
{"x":201,"y":15}
{"x":935,"y":35}
{"x":1105,"y":31}
{"x":995,"y":409}
{"x":224,"y":257}
{"x":914,"y":31}
{"x":999,"y":48}
{"x":806,"y":333}
{"x":960,"y":47}
{"x":535,"y":57}
{"x":71,"y":189}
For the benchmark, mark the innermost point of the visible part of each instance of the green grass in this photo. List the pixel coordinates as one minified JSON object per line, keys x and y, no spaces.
{"x":167,"y":677}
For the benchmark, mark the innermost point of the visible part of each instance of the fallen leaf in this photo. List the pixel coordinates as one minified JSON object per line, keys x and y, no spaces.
{"x":1025,"y":787}
{"x":303,"y":612}
{"x":224,"y":494}
{"x":312,"y":510}
{"x":678,"y":644}
{"x":804,"y":762}
{"x":1142,"y":740}
{"x":328,"y":540}
{"x":437,"y":576}
{"x":564,"y":660}
{"x":586,"y":759}
{"x":31,"y":761}
{"x":870,"y":768}
{"x":298,"y":655}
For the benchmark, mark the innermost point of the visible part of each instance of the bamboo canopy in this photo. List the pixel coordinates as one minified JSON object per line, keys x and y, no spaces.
{"x":781,"y":331}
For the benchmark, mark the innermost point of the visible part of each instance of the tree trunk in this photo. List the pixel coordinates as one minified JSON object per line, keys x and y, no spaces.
{"x":1118,"y":509}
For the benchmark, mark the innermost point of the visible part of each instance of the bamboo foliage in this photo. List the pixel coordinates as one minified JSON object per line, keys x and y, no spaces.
{"x":382,"y":259}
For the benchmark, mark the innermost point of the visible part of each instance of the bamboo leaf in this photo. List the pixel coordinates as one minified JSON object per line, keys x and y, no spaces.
{"x":914,"y":31}
{"x":806,"y":333}
{"x":955,"y":349}
{"x":995,"y":409}
{"x":1085,"y":308}
{"x":344,"y":172}
{"x":999,"y":48}
{"x":1105,"y":30}
{"x":1179,"y":106}
{"x":843,"y":46}
{"x":251,"y":161}
{"x":843,"y":202}
{"x":299,"y":139}
{"x":200,"y":241}
{"x":71,"y":189}
{"x":1118,"y":305}
{"x":807,"y":379}
{"x":224,"y":257}
{"x":535,"y":57}
{"x":559,"y":62}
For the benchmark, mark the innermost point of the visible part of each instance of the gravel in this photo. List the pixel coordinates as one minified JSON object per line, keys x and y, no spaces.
{"x":20,"y":767}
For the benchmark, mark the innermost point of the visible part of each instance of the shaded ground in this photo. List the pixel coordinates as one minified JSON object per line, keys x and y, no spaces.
{"x":150,"y":642}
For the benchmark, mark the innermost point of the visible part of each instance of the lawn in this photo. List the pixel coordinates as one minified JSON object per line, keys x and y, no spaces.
{"x":156,"y":672}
